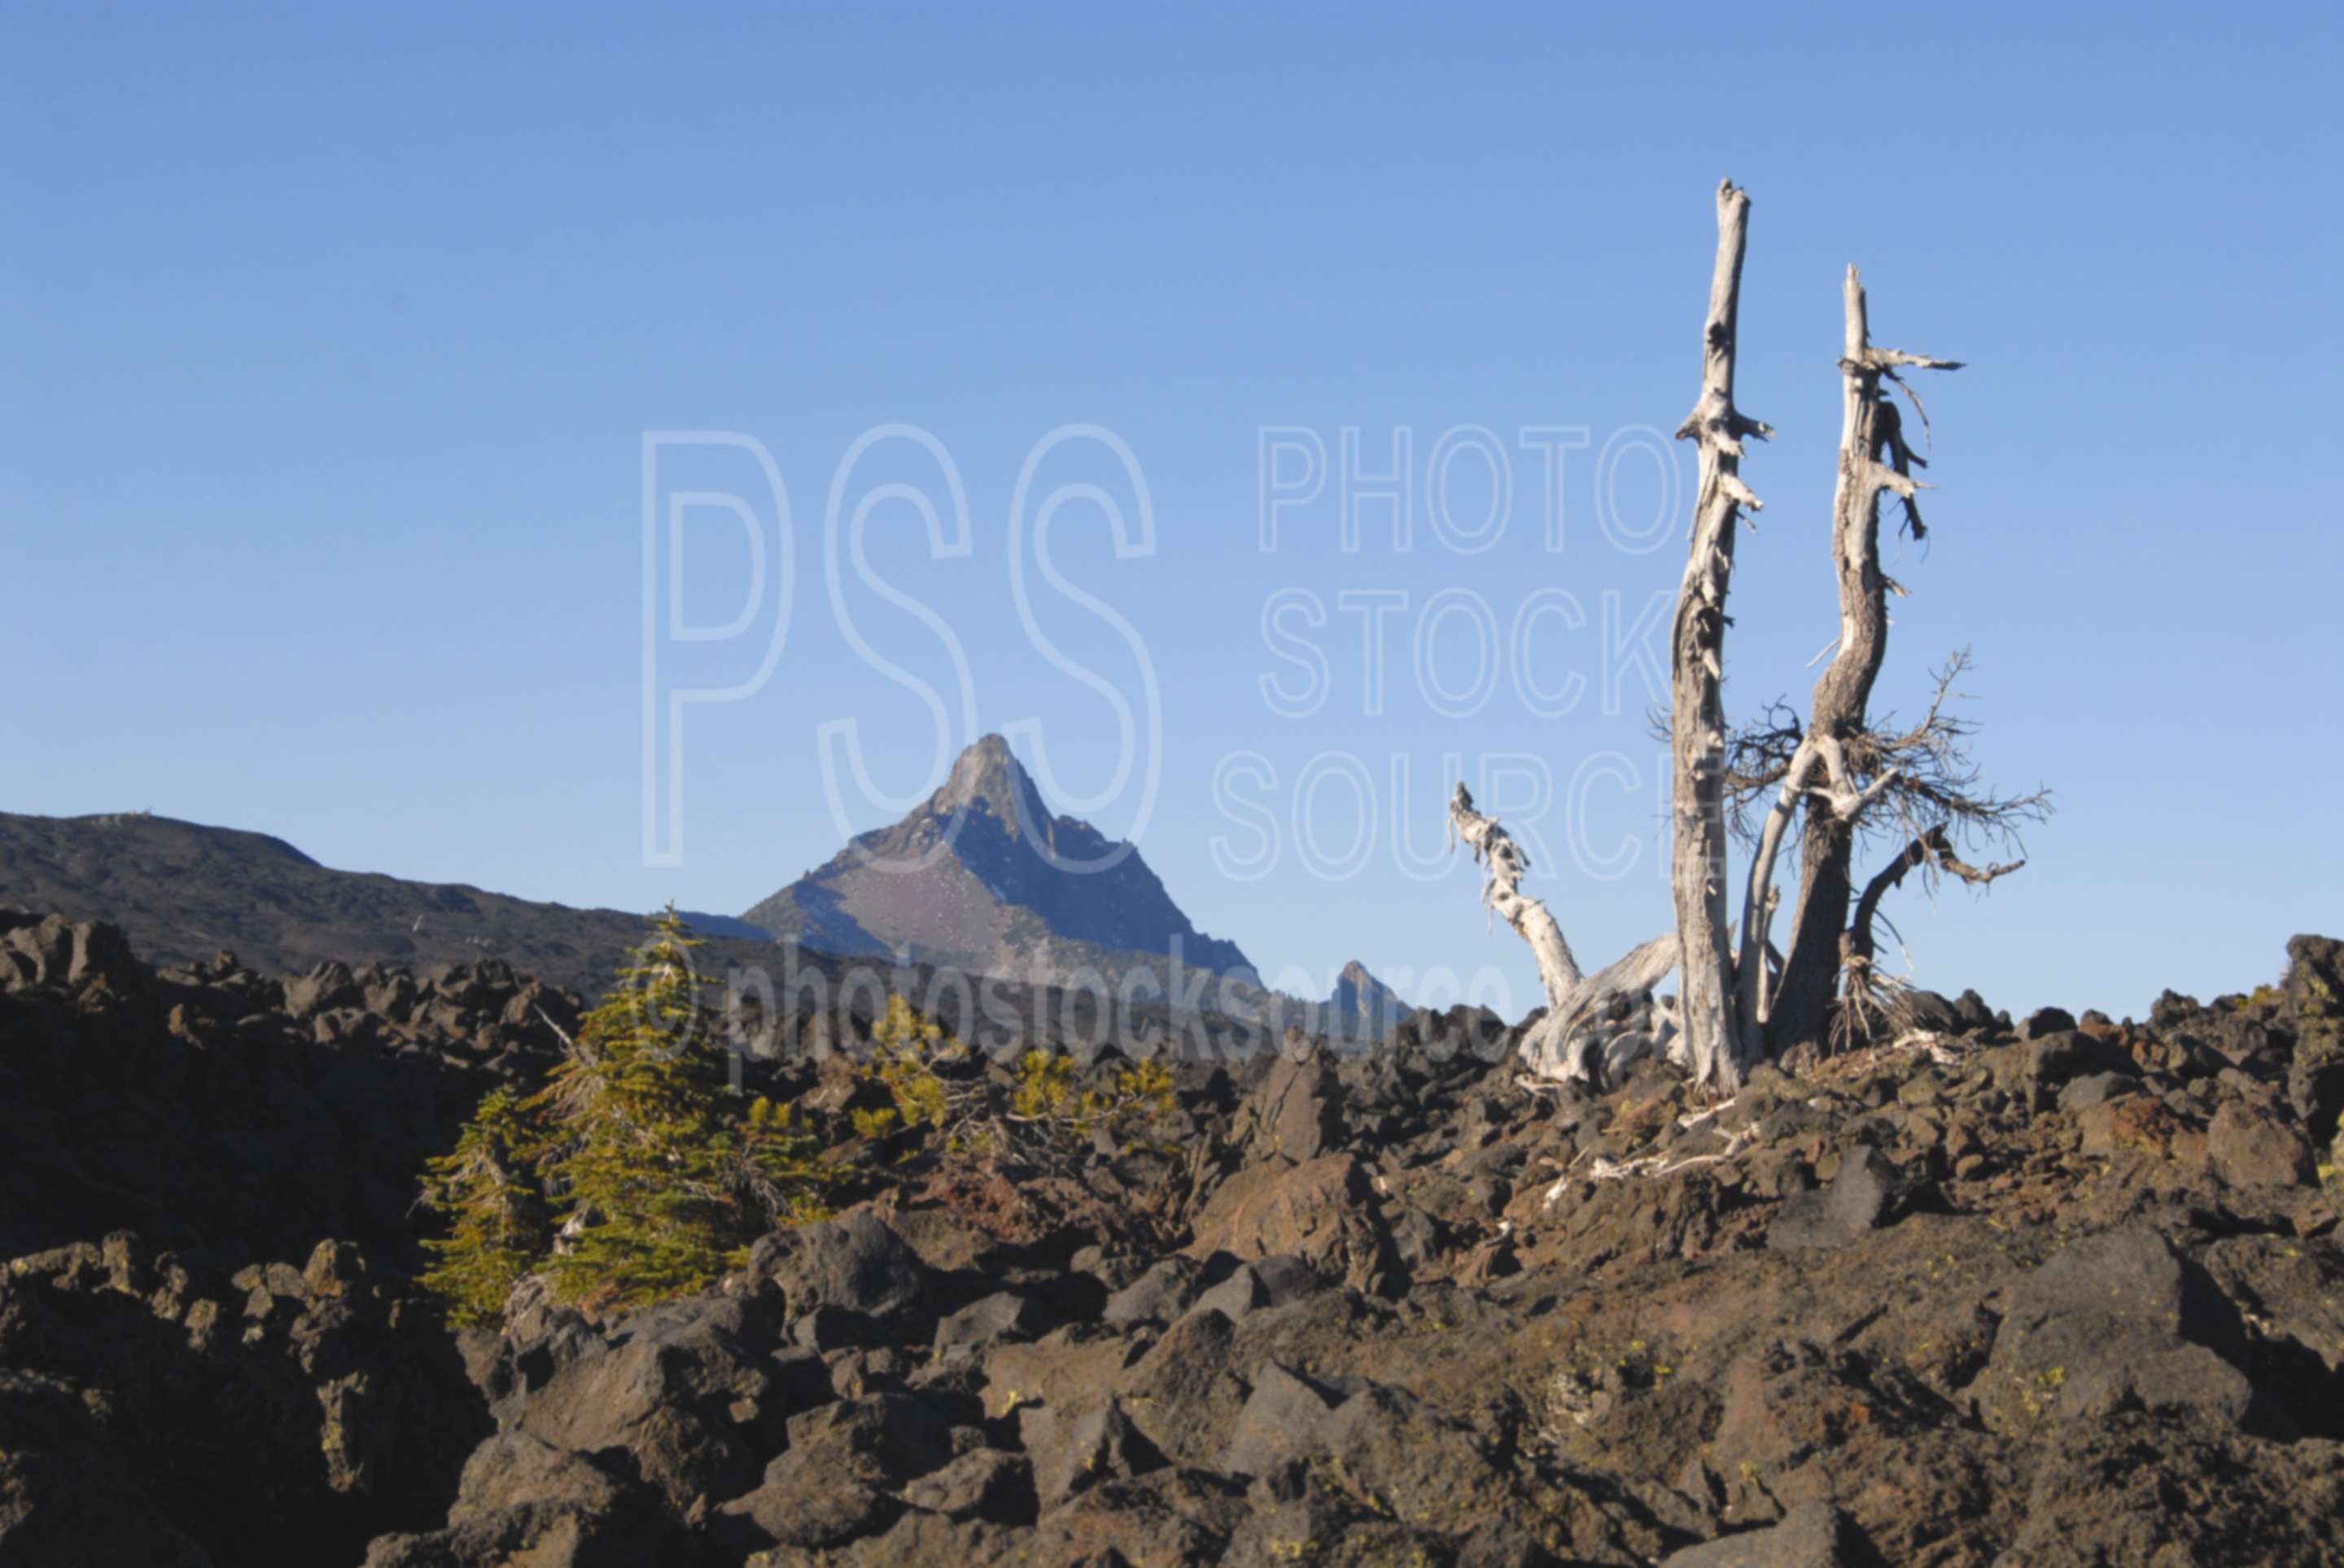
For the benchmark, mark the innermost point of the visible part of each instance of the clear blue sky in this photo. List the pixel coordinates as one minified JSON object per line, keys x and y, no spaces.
{"x":331,"y":338}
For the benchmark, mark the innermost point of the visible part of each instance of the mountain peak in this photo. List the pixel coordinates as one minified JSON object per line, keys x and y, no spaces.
{"x":1363,"y":1007}
{"x":988,"y":775}
{"x":984,"y":877}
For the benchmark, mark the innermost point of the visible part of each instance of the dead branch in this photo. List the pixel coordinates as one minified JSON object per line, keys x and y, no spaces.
{"x":1872,"y":1002}
{"x":1501,"y":890}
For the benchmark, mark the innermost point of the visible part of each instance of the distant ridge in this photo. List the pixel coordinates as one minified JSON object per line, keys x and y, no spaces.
{"x":185,"y":891}
{"x":998,"y":894}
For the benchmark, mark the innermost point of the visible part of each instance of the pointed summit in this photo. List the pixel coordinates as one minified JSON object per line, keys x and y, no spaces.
{"x":987,"y":776}
{"x":1363,"y":1007}
{"x":983,"y":877}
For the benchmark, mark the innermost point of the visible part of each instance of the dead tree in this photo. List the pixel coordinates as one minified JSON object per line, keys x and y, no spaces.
{"x":1829,"y":783}
{"x":1577,"y":1041}
{"x":1817,"y":770}
{"x":1714,"y":1049}
{"x":1873,"y":458}
{"x":1841,"y":778}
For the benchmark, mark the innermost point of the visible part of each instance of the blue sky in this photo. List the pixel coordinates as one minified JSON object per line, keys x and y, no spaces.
{"x":332,"y":337}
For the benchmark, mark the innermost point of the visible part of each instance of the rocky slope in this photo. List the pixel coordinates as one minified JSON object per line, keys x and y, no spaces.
{"x":2062,"y":1292}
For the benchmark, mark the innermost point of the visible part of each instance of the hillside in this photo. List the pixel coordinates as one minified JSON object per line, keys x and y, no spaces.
{"x":183,"y":892}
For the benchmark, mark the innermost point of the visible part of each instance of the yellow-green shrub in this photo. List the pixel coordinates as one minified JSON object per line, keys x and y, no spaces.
{"x":636,"y":1174}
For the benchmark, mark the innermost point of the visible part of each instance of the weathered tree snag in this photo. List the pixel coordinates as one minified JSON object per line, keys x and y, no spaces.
{"x":1735,"y":1008}
{"x":1566,"y":1045}
{"x":1873,"y":457}
{"x":1714,"y":1045}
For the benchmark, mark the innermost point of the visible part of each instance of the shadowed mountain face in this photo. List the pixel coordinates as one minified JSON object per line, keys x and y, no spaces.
{"x":983,"y":877}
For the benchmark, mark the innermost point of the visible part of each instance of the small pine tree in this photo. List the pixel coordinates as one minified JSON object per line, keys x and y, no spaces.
{"x":497,"y":1224}
{"x":627,"y":1178}
{"x":661,"y":1192}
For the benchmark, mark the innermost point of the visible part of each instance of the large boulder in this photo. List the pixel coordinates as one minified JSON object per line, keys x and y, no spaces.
{"x":684,"y":1391}
{"x":2054,"y":1058}
{"x":2138,"y":1488}
{"x":834,"y":1480}
{"x":1283,"y":1418}
{"x":1248,"y":1288}
{"x":853,"y":1264}
{"x":2252,"y":1146}
{"x":523,"y":1500}
{"x":330,"y":985}
{"x":1296,"y":1111}
{"x":1324,"y":1211}
{"x":1158,"y":1295}
{"x":2043,"y":1022}
{"x":1185,"y":1391}
{"x":1073,"y":1449}
{"x":1864,"y":1194}
{"x":2315,"y":1000}
{"x":984,"y":1483}
{"x":2114,"y":1321}
{"x":1005,"y":1316}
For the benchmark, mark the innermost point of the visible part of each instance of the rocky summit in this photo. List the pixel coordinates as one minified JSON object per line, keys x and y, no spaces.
{"x":2055,"y":1290}
{"x":983,"y":877}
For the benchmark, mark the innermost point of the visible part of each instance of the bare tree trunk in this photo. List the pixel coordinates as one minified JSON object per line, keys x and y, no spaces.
{"x":1870,"y":429}
{"x":1754,"y":993}
{"x":1712,"y":1045}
